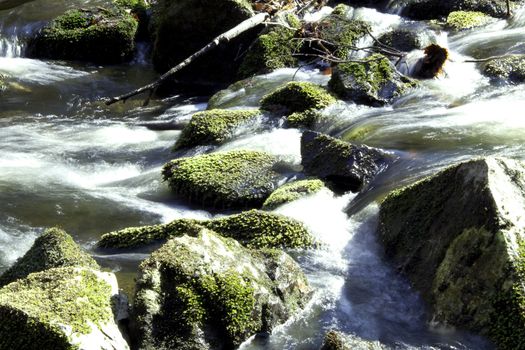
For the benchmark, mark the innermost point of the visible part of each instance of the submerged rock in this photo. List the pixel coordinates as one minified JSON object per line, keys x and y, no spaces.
{"x":374,"y":82}
{"x":510,"y":69}
{"x":297,"y":97}
{"x":345,"y":165}
{"x":208,"y":292}
{"x":214,"y":127}
{"x":459,"y":237}
{"x":292,"y":191}
{"x":334,"y":340}
{"x":236,"y":179}
{"x":180,"y":28}
{"x":61,"y":308}
{"x":54,"y":248}
{"x":101,"y":35}
{"x":253,"y":229}
{"x":461,"y":20}
{"x":433,"y":9}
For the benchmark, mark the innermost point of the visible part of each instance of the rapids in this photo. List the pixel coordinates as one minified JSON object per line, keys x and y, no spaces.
{"x":67,"y":160}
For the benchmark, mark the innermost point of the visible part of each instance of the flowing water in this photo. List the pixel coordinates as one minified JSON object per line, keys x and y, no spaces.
{"x":68,"y":160}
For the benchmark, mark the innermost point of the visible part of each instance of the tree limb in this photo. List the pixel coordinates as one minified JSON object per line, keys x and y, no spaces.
{"x":223,"y":38}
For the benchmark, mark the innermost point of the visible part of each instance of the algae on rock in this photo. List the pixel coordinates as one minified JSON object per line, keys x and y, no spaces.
{"x":209,"y":292}
{"x":60,"y":308}
{"x":254,"y":229}
{"x":458,"y":236}
{"x":461,"y":20}
{"x":235,"y":179}
{"x":292,"y":191}
{"x":54,"y":248}
{"x":214,"y":127}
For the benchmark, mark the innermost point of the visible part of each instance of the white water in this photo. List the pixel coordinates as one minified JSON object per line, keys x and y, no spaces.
{"x":70,"y":161}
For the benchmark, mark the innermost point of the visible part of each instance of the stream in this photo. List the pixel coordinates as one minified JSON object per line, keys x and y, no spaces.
{"x":68,"y":160}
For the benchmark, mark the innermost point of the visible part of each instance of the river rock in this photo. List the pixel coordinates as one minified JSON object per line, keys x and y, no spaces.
{"x":433,"y":9}
{"x":461,"y":20}
{"x":297,"y":97}
{"x":180,"y":28}
{"x":99,"y":35}
{"x":374,"y":82}
{"x":54,"y":248}
{"x":208,"y":292}
{"x":458,"y":236}
{"x":507,"y":69}
{"x":214,"y":127}
{"x":292,"y":191}
{"x":236,"y":179}
{"x":253,"y":229}
{"x":62,"y":308}
{"x":335,"y":340}
{"x":403,"y":39}
{"x":346,"y":166}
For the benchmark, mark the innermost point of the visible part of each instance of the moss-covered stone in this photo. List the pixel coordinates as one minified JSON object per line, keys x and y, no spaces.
{"x":54,"y":248}
{"x":373,"y":82}
{"x":334,"y":340}
{"x":458,"y":236}
{"x":102,"y":35}
{"x":297,"y":97}
{"x":60,"y":308}
{"x":214,"y":127}
{"x":343,"y":165}
{"x":194,"y":24}
{"x":291,"y":192}
{"x":510,"y":69}
{"x":209,"y":292}
{"x":306,"y":119}
{"x":254,"y":229}
{"x":236,"y":179}
{"x":460,"y":20}
{"x":402,"y":39}
{"x":272,"y":50}
{"x":435,"y":9}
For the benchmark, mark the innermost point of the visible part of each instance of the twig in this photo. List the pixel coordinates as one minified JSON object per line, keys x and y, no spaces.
{"x":223,"y":38}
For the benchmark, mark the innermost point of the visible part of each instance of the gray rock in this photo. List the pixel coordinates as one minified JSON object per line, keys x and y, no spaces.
{"x":509,"y":69}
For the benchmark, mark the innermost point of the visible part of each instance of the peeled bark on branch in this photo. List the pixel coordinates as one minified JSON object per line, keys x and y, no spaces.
{"x":223,"y":38}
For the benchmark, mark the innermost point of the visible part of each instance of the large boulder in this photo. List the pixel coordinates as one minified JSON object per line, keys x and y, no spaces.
{"x":346,"y":166}
{"x":374,"y":81}
{"x":432,"y":9}
{"x":208,"y":292}
{"x":182,"y":27}
{"x":292,"y":191}
{"x":214,"y":127}
{"x":100,"y":35}
{"x":54,"y":248}
{"x":507,"y":69}
{"x":253,"y":229}
{"x":236,"y":179}
{"x":458,"y":236}
{"x":61,"y":308}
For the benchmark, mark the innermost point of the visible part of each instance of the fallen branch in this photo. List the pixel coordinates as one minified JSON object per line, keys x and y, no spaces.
{"x":223,"y":38}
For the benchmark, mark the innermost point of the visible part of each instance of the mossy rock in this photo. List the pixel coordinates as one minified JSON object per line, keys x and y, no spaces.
{"x":334,"y":340}
{"x":292,"y":191}
{"x":273,"y":49}
{"x":297,"y":97}
{"x":461,"y":20}
{"x":435,"y":9}
{"x":373,"y":82}
{"x":344,"y":166}
{"x":102,"y":35}
{"x":194,"y":24}
{"x":253,"y":229}
{"x":54,"y":248}
{"x":236,"y":179}
{"x":209,"y":292}
{"x":507,"y":69}
{"x":60,"y":308}
{"x":214,"y":127}
{"x":402,"y":39}
{"x":306,"y":119}
{"x":458,"y":236}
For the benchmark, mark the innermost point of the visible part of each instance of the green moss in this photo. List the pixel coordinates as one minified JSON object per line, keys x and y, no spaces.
{"x":214,"y":126}
{"x":460,"y":20}
{"x":33,"y":309}
{"x":291,"y":192}
{"x":306,"y":119}
{"x":340,"y":10}
{"x":232,"y":179}
{"x":54,"y":248}
{"x":135,"y":6}
{"x":101,"y":36}
{"x":253,"y":228}
{"x":297,"y":97}
{"x":508,"y":68}
{"x":272,"y":50}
